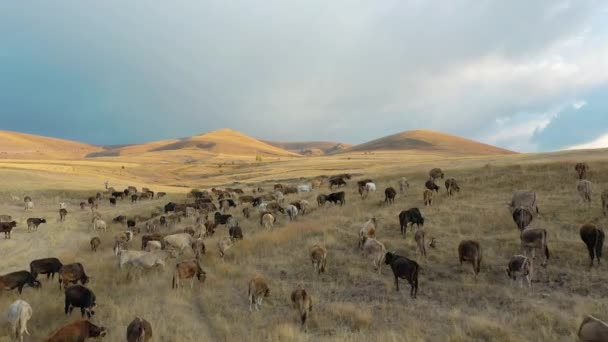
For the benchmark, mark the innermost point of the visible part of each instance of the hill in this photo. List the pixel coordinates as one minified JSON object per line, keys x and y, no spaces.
{"x":429,"y":142}
{"x":223,"y":141}
{"x":310,"y":147}
{"x":15,"y":145}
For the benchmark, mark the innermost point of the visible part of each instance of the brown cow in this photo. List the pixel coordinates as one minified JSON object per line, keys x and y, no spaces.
{"x":188,"y":269}
{"x":62,"y":214}
{"x":302,"y":303}
{"x":470,"y":251}
{"x":581,"y":170}
{"x":585,"y":188}
{"x":77,"y":331}
{"x":258,"y":289}
{"x":419,"y":237}
{"x":520,"y":264}
{"x":428,"y":197}
{"x":605,"y":202}
{"x":95,"y":242}
{"x":593,"y":330}
{"x":451,"y":186}
{"x":318,"y":256}
{"x":139,"y":330}
{"x":71,"y":274}
{"x":436,"y":173}
{"x":535,"y":238}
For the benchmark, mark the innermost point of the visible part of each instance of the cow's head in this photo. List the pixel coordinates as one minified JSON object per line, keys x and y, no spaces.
{"x":389,"y":257}
{"x":35,"y":284}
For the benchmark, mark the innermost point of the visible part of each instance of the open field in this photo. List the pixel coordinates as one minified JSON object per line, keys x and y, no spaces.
{"x":350,"y":301}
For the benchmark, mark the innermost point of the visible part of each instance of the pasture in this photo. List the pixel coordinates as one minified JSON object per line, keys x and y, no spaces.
{"x":350,"y":300}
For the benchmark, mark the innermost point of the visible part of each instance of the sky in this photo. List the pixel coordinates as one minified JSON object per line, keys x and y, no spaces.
{"x":525,"y":75}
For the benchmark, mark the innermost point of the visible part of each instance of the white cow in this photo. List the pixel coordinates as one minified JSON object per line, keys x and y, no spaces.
{"x":99,"y":224}
{"x":370,"y":187}
{"x":29,"y":206}
{"x":292,"y":212}
{"x":304,"y":188}
{"x":126,"y":257}
{"x":149,"y":260}
{"x":19,"y":313}
{"x":153,"y":246}
{"x":180,"y":241}
{"x":62,"y":205}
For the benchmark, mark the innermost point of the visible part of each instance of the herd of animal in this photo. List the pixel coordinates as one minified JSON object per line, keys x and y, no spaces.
{"x":159,"y":243}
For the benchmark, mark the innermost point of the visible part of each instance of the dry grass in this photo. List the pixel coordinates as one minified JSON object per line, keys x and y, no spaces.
{"x":350,"y":301}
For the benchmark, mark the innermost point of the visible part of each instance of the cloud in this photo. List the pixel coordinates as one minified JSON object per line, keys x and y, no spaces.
{"x":600,"y":142}
{"x":579,"y":104}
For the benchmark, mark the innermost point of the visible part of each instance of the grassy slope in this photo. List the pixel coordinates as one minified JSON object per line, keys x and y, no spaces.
{"x":28,"y":146}
{"x":351,"y":301}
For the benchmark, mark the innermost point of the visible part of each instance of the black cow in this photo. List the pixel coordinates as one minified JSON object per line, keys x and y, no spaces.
{"x":17,"y":280}
{"x":62,"y":214}
{"x":522,"y":217}
{"x":113,"y":200}
{"x":337,"y":197}
{"x":337,"y":182}
{"x":120,"y":219}
{"x":431,"y":185}
{"x":389,"y":195}
{"x":169,"y":207}
{"x":78,"y":296}
{"x":117,"y":194}
{"x":220,"y":219}
{"x":412,"y":216}
{"x":403,"y":268}
{"x":131,"y":224}
{"x":91,"y":200}
{"x":593,"y":237}
{"x":48,"y":266}
{"x":246,"y":212}
{"x":321,"y":199}
{"x":7,"y":227}
{"x":236,"y":233}
{"x":163,"y":220}
{"x":133,"y":198}
{"x":34,"y":222}
{"x":257,"y":201}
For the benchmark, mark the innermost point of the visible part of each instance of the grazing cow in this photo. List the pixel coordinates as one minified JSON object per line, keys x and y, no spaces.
{"x":389,"y":195}
{"x":436,"y":173}
{"x":120,"y":219}
{"x":258,"y":289}
{"x":83,"y":205}
{"x":410,"y":216}
{"x":370,"y":187}
{"x":304,"y":188}
{"x":451,"y":186}
{"x":403,"y":184}
{"x":605,"y":202}
{"x":535,"y":238}
{"x":62,"y":214}
{"x":133,"y":198}
{"x":592,"y":330}
{"x":119,"y":194}
{"x":267,"y":220}
{"x":246,"y":213}
{"x":77,"y":331}
{"x":160,"y":194}
{"x":91,"y":200}
{"x":246,"y":199}
{"x":430,"y":185}
{"x":278,"y":187}
{"x":153,"y":245}
{"x":7,"y":227}
{"x":375,"y":251}
{"x":99,"y":224}
{"x":33,"y":223}
{"x":71,"y":274}
{"x":470,"y":251}
{"x":232,"y":222}
{"x":236,"y":233}
{"x":367,"y":231}
{"x":145,"y":260}
{"x":403,"y":268}
{"x":336,"y":182}
{"x":19,"y":313}
{"x":6,"y":218}
{"x":131,"y":224}
{"x":18,"y":280}
{"x":226,"y":204}
{"x":27,"y":199}
{"x":292,"y":212}
{"x":188,"y":269}
{"x":95,"y":242}
{"x":210,"y":228}
{"x":302,"y":303}
{"x":220,"y":218}
{"x":29,"y":206}
{"x":139,"y":330}
{"x":179,"y":242}
{"x":317,"y":183}
{"x":524,"y":199}
{"x":321,"y":199}
{"x":581,"y":170}
{"x":113,"y":201}
{"x":427,"y":196}
{"x":224,"y":244}
{"x":593,"y":237}
{"x":522,"y":217}
{"x":337,"y":197}
{"x":584,"y":188}
{"x":318,"y":256}
{"x":520,"y":264}
{"x":48,"y":266}
{"x":78,"y":296}
{"x":289,"y":190}
{"x":363,"y":182}
{"x":169,"y":207}
{"x":199,"y":248}
{"x":419,"y":238}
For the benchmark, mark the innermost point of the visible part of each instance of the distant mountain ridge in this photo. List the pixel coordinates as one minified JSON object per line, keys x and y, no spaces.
{"x":311,"y":147}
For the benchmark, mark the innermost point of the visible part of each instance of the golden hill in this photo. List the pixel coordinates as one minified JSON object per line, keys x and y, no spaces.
{"x":311,"y":147}
{"x":429,"y":142}
{"x":15,"y":145}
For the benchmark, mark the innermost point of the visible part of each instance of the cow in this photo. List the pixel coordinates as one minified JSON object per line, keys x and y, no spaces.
{"x":62,"y":214}
{"x":336,"y":182}
{"x":321,"y":199}
{"x":522,"y":217}
{"x":224,"y":244}
{"x":179,"y":242}
{"x":337,"y":197}
{"x":304,"y":188}
{"x":581,"y":169}
{"x":292,"y":212}
{"x":134,"y":198}
{"x":18,"y":280}
{"x":33,"y":223}
{"x":246,"y":213}
{"x":118,"y":194}
{"x":236,"y":233}
{"x":435,"y":173}
{"x":302,"y":303}
{"x":226,"y":204}
{"x":318,"y":256}
{"x":91,"y":200}
{"x":19,"y":313}
{"x":83,"y":205}
{"x":535,"y":238}
{"x":246,"y":199}
{"x":160,"y":194}
{"x":427,"y":196}
{"x":389,"y":195}
{"x":77,"y":331}
{"x":78,"y":296}
{"x":470,"y":251}
{"x":113,"y":201}
{"x":419,"y":238}
{"x":209,"y":228}
{"x":62,"y":205}
{"x":363,"y":182}
{"x":220,"y":218}
{"x":7,"y":227}
{"x":71,"y":274}
{"x":199,"y":248}
{"x":95,"y":242}
{"x":410,"y":216}
{"x":375,"y":251}
{"x":430,"y":185}
{"x":584,"y":188}
{"x":451,"y":186}
{"x":131,"y":224}
{"x":520,"y":264}
{"x":605,"y":202}
{"x":267,"y":220}
{"x":368,"y":230}
{"x":525,"y":199}
{"x":142,"y":260}
{"x":403,"y":268}
{"x":592,"y":330}
{"x":257,"y":290}
{"x":403,"y":184}
{"x":289,"y":190}
{"x":99,"y":224}
{"x":317,"y":183}
{"x":139,"y":330}
{"x":120,"y":219}
{"x":593,"y":237}
{"x":27,"y":199}
{"x":169,"y":207}
{"x":153,"y":245}
{"x":29,"y":205}
{"x":6,"y":218}
{"x":188,"y":269}
{"x":48,"y":266}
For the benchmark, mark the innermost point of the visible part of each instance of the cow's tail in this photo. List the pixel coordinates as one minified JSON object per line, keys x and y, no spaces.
{"x":174,"y":281}
{"x":545,"y":243}
{"x":599,"y":243}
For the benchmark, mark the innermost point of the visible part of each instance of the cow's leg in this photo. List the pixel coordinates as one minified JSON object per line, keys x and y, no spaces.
{"x":396,"y":283}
